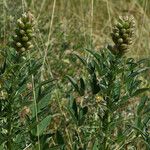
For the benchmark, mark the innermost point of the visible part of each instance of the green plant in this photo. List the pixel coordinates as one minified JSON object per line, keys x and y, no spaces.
{"x":102,"y":118}
{"x":22,"y":119}
{"x":110,"y":108}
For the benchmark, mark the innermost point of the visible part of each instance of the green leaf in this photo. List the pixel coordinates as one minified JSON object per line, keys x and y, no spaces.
{"x":91,"y":67}
{"x":74,"y":83}
{"x":59,"y":137}
{"x":141,"y":104}
{"x":95,"y":146}
{"x":94,"y":84}
{"x":135,"y":73}
{"x":140,"y":91}
{"x":44,"y":124}
{"x":82,"y":87}
{"x":72,"y":115}
{"x":81,"y":59}
{"x":75,"y":109}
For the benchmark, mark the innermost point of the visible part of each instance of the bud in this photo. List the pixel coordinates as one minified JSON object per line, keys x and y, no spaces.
{"x":18,"y":44}
{"x":122,"y":34}
{"x":28,"y":44}
{"x":120,"y":40}
{"x":24,"y":33}
{"x":22,"y":49}
{"x":30,"y":47}
{"x":25,"y":38}
{"x":20,"y":23}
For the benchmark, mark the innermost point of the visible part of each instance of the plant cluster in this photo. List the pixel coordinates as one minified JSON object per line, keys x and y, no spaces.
{"x":109,"y":110}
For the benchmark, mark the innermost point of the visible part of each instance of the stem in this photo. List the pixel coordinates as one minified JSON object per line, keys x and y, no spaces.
{"x":9,"y":141}
{"x":105,"y":128}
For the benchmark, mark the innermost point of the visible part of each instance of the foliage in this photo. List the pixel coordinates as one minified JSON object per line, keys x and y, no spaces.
{"x":105,"y":106}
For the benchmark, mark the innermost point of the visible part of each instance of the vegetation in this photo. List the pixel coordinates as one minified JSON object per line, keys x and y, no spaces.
{"x":61,"y":89}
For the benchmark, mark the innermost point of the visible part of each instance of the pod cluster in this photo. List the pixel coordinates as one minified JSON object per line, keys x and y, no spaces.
{"x":123,"y":33}
{"x":22,"y":40}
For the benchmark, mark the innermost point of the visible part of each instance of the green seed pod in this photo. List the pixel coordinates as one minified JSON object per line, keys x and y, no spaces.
{"x":30,"y":47}
{"x":22,"y":32}
{"x":125,"y":36}
{"x":15,"y":37}
{"x":120,"y":40}
{"x":123,"y":46}
{"x":22,"y":49}
{"x":119,"y":25}
{"x":123,"y":31}
{"x":20,"y":23}
{"x":29,"y":31}
{"x":126,"y":25}
{"x":31,"y":35}
{"x":25,"y":38}
{"x":18,"y":44}
{"x":28,"y":25}
{"x":28,"y":44}
{"x":116,"y":35}
{"x":24,"y":18}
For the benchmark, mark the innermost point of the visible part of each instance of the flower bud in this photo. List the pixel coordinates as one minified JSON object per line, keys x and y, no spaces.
{"x":20,"y":23}
{"x":18,"y":44}
{"x":24,"y":33}
{"x":25,"y":38}
{"x":120,"y":40}
{"x":122,"y":34}
{"x":22,"y":49}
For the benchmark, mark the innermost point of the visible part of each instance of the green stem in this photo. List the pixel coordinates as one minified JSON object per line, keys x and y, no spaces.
{"x":9,"y":120}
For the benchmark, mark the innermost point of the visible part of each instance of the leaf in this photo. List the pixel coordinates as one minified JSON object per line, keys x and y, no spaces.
{"x":75,"y":109}
{"x":74,"y":83}
{"x":44,"y":124}
{"x":59,"y":137}
{"x":95,"y":146}
{"x":95,"y":54}
{"x":94,"y":84}
{"x":72,"y":115}
{"x":138,"y":122}
{"x":81,"y":59}
{"x":82,"y":87}
{"x":85,"y":110}
{"x":140,"y":91}
{"x":91,"y":67}
{"x":141,"y":104}
{"x":135,"y":73}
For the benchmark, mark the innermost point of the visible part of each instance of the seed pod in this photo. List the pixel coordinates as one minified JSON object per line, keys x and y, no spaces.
{"x":22,"y":49}
{"x":116,"y":34}
{"x":126,"y":25}
{"x":125,"y":36}
{"x":123,"y":46}
{"x":15,"y":37}
{"x":20,"y":23}
{"x":18,"y":44}
{"x":30,"y":47}
{"x":119,"y":25}
{"x":25,"y":38}
{"x":123,"y":31}
{"x":22,"y":32}
{"x":29,"y":31}
{"x":28,"y":44}
{"x":120,"y":40}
